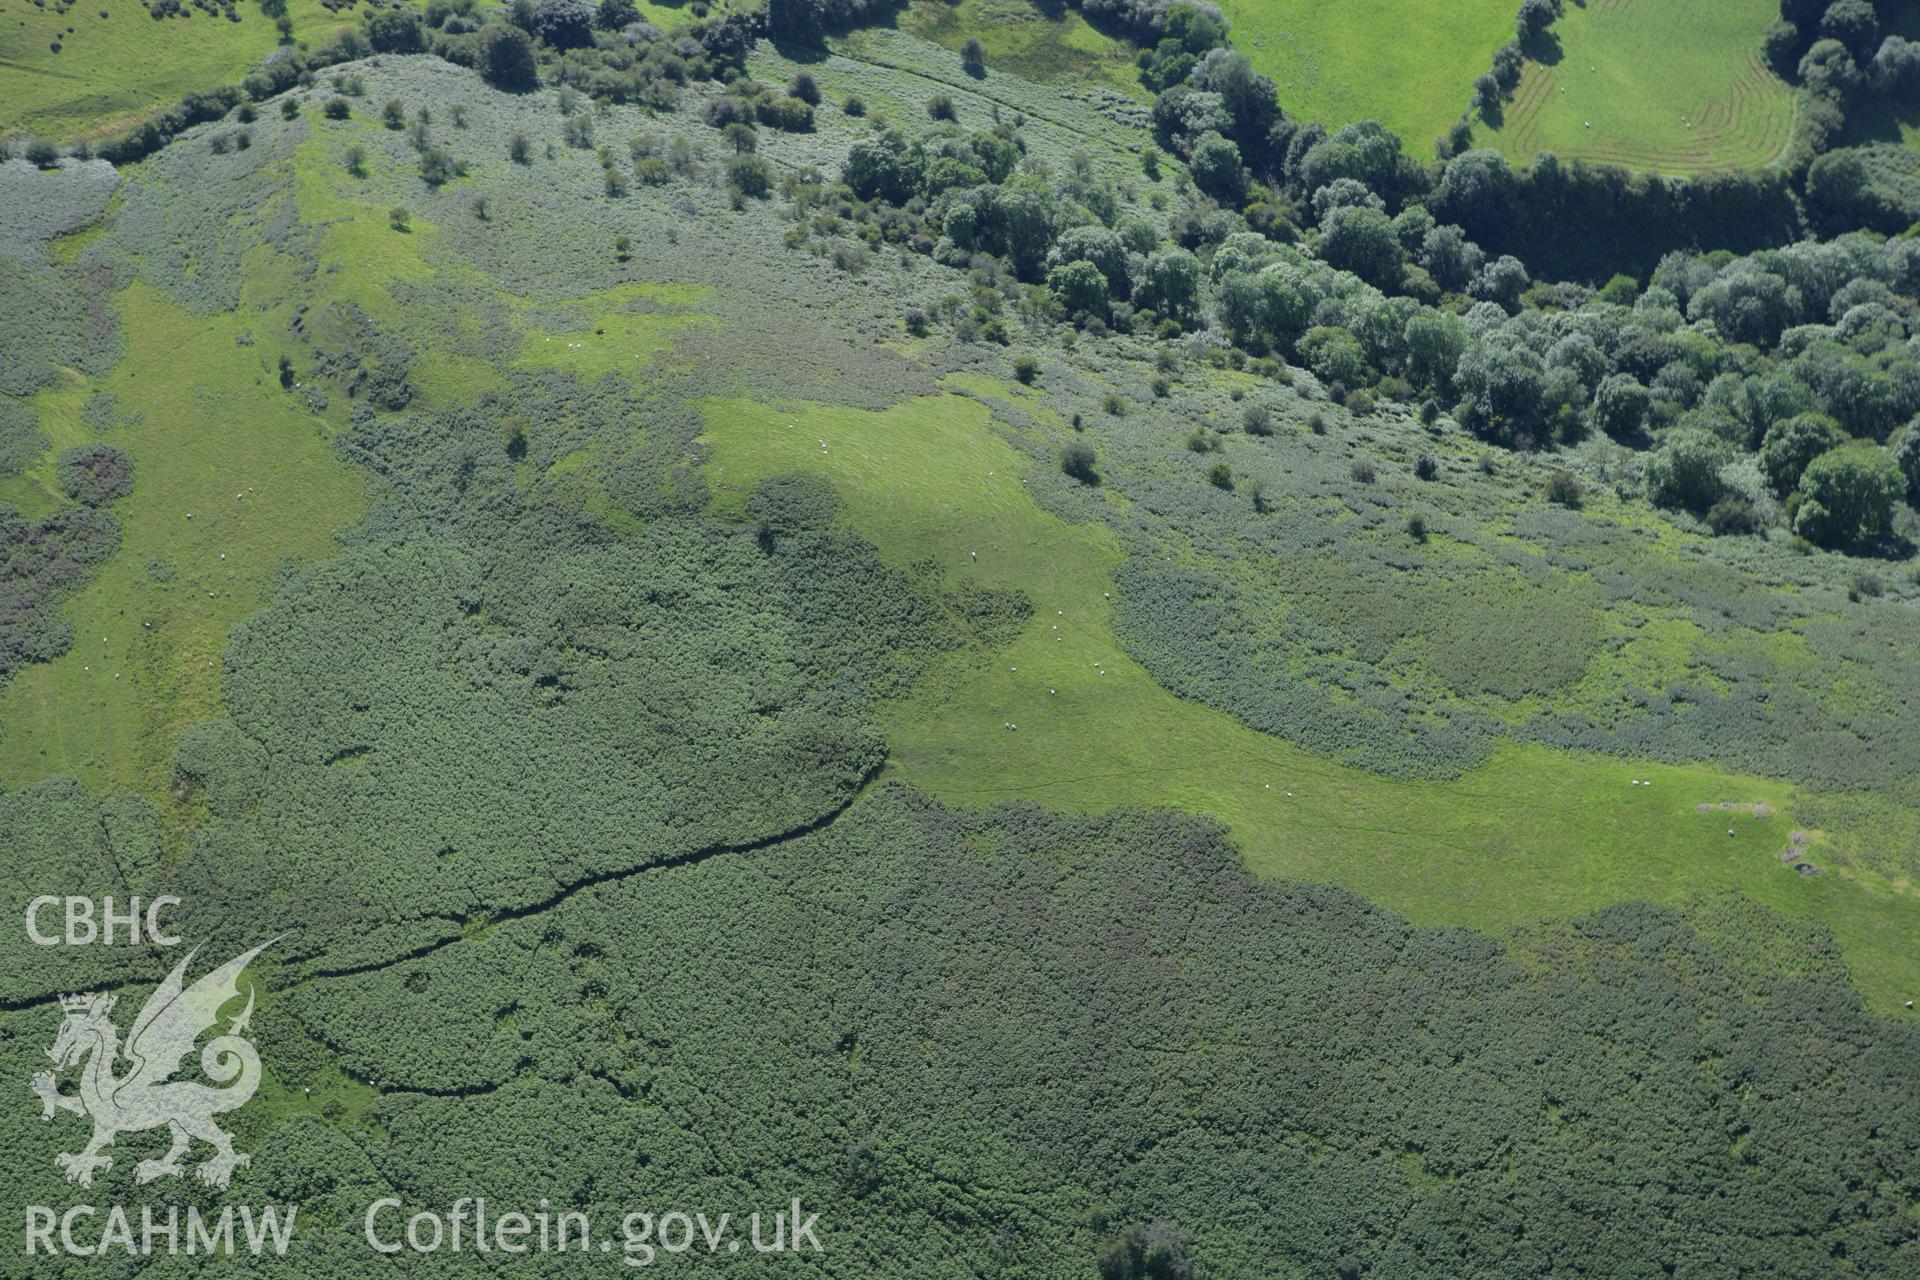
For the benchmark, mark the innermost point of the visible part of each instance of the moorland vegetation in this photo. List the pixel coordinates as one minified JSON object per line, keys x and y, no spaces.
{"x":558,"y":530}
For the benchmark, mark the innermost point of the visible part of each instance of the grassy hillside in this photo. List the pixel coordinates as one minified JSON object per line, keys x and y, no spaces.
{"x":116,"y":62}
{"x":725,"y":690}
{"x":1653,"y":85}
{"x":1410,"y":66}
{"x":1527,"y":832}
{"x":1533,"y":832}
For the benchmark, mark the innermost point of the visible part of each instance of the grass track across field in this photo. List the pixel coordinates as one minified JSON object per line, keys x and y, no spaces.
{"x":1654,"y":85}
{"x":1533,"y":833}
{"x":1407,"y":64}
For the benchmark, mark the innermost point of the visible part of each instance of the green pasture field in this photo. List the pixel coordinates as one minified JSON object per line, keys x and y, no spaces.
{"x":230,"y":479}
{"x":1410,"y":66}
{"x":1535,"y":832}
{"x":604,"y":333}
{"x":119,"y":63}
{"x":1654,"y":85}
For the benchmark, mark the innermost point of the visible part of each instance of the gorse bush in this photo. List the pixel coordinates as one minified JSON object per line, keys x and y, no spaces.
{"x":1732,"y":516}
{"x":973,"y":56}
{"x":94,"y":474}
{"x":749,"y":176}
{"x":1077,"y":460}
{"x":46,"y":560}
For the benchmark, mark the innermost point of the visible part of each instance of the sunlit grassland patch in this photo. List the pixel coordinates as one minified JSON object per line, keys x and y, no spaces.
{"x":619,"y":330}
{"x":34,"y":490}
{"x":119,"y":63}
{"x":298,"y":1076}
{"x":1533,"y":832}
{"x":1644,"y":652}
{"x":362,"y":254}
{"x":667,"y":16}
{"x":232,"y":477}
{"x":1408,"y":65}
{"x":413,"y":283}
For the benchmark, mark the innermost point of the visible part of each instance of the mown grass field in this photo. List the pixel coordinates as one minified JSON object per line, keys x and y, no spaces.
{"x":1535,"y":832}
{"x":1654,"y":85}
{"x":1410,"y":66}
{"x":118,"y":62}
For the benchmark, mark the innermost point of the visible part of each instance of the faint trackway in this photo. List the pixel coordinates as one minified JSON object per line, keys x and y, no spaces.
{"x":687,"y":858}
{"x":561,"y":895}
{"x":977,"y":89}
{"x":568,"y":890}
{"x":35,"y":1002}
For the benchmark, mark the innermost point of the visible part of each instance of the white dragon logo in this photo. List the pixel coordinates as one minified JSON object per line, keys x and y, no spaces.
{"x":172,"y":1019}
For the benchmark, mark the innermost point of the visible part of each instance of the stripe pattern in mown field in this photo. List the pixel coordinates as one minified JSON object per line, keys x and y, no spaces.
{"x":1652,"y":86}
